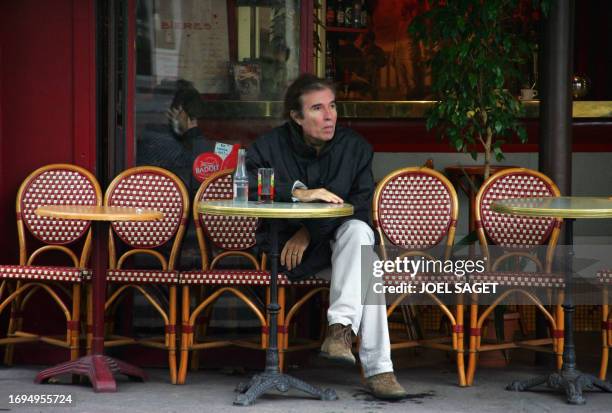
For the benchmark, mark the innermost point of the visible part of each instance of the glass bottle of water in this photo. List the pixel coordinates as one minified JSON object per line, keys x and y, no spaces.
{"x":241,"y":180}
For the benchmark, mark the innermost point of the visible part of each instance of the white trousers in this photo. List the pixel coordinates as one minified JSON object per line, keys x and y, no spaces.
{"x":369,"y":321}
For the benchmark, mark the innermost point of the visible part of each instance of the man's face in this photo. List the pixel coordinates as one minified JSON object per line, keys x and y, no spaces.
{"x":319,"y":110}
{"x":179,"y":121}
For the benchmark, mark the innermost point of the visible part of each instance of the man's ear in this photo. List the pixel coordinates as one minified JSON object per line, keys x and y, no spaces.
{"x":296,"y":117}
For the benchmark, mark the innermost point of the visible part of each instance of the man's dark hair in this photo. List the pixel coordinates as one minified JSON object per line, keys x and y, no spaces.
{"x":189,"y":99}
{"x":304,"y":84}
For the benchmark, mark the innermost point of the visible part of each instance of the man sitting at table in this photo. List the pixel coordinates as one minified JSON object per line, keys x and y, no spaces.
{"x":315,"y":160}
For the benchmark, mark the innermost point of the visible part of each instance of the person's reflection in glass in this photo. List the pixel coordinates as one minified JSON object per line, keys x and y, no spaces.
{"x":375,"y":59}
{"x":174,"y":143}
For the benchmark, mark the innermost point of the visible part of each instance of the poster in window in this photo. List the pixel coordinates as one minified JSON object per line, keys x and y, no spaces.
{"x":192,"y":43}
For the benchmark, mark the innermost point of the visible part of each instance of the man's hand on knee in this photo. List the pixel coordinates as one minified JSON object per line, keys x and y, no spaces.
{"x":293,"y":251}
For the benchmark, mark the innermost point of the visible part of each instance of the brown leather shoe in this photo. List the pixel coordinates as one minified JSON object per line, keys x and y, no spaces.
{"x":337,"y":344}
{"x":385,"y":386}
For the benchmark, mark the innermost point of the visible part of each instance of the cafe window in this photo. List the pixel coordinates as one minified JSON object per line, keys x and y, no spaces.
{"x":225,"y":51}
{"x":368,"y":52}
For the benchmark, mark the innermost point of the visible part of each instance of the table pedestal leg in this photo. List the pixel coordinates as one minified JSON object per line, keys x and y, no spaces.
{"x":272,"y":378}
{"x":569,"y":379}
{"x":572,"y":382}
{"x":97,"y":367}
{"x":99,"y":370}
{"x":263,"y":382}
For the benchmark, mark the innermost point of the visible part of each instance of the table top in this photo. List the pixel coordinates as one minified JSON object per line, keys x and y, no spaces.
{"x":276,"y":209}
{"x":558,"y":207}
{"x":98,"y":213}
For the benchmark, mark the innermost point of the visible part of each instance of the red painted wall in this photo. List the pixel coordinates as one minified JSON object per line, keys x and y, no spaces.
{"x":47,"y":97}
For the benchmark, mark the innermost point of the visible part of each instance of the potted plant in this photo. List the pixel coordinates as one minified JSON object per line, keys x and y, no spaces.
{"x":476,"y":48}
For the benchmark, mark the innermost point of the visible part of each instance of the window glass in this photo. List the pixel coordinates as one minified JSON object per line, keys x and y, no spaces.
{"x":192,"y":52}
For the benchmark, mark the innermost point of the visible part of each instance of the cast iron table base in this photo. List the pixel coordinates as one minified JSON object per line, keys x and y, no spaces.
{"x":569,"y":379}
{"x":261,"y":383}
{"x":573,"y":382}
{"x":272,"y":378}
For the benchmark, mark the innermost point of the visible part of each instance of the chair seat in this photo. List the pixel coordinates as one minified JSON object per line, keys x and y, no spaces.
{"x":243,"y":277}
{"x":131,"y":276}
{"x":605,"y":276}
{"x":403,"y":278}
{"x":520,"y":279}
{"x":44,"y":273}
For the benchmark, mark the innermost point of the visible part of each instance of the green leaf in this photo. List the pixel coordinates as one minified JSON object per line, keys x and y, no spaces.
{"x":458,"y":143}
{"x":499,"y":155}
{"x":498,"y":126}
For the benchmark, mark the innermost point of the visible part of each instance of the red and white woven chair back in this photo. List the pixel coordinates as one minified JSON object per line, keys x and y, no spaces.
{"x":512,"y":231}
{"x":150,"y":188}
{"x":225,"y":232}
{"x":415,"y":207}
{"x":58,"y":184}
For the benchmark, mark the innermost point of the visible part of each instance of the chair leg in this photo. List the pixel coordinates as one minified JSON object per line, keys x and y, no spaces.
{"x":109,"y":316}
{"x":605,"y":345}
{"x":89,"y":312}
{"x":282,"y":330}
{"x":74,"y":328}
{"x":200,"y":330}
{"x":172,"y":335}
{"x":76,"y":316}
{"x":473,"y":344}
{"x":460,"y":347}
{"x":15,"y":321}
{"x":186,"y":336}
{"x":324,"y":307}
{"x":560,"y":320}
{"x":266,"y":338}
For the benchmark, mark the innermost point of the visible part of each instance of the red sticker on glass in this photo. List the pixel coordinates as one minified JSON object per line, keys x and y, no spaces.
{"x":231,"y":159}
{"x":205,"y":164}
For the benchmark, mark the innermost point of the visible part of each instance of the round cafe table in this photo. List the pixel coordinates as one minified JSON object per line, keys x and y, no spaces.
{"x":569,"y":379}
{"x":97,"y":367}
{"x":271,"y":378}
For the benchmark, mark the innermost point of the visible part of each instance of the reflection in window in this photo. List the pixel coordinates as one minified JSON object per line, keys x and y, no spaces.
{"x":192,"y":51}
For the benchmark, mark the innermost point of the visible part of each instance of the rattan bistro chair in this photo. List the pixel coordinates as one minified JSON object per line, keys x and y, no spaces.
{"x":518,"y":236}
{"x":221,"y":237}
{"x":158,"y":189}
{"x":605,"y":278}
{"x":57,"y":184}
{"x":416,"y":209}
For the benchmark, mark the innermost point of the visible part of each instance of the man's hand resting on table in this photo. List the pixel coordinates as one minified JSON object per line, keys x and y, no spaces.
{"x":319,"y":194}
{"x":293,"y":251}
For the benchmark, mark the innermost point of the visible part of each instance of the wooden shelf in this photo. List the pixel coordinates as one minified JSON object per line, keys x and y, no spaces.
{"x":334,"y":29}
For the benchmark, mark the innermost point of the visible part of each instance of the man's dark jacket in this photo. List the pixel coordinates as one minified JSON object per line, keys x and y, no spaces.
{"x":344,"y":167}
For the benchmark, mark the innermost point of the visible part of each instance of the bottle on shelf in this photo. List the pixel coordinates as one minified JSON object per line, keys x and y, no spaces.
{"x":348,"y":14}
{"x":330,"y":68}
{"x":357,"y":14}
{"x":364,"y":15}
{"x":330,"y":15}
{"x":241,"y":179}
{"x":340,"y":14}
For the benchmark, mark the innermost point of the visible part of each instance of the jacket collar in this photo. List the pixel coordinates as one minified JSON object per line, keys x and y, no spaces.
{"x":299,"y":144}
